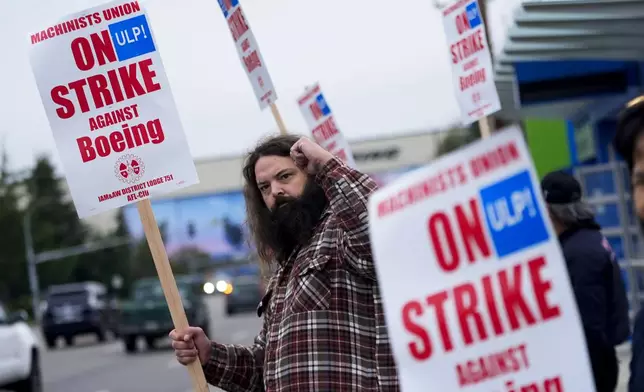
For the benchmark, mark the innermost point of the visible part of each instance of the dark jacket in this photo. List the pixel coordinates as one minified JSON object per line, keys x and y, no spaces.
{"x":601,"y":298}
{"x":636,"y":381}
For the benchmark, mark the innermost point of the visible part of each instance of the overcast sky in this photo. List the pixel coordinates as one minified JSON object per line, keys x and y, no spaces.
{"x":382,"y":65}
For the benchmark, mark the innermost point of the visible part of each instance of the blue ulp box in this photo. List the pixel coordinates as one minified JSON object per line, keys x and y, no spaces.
{"x":132,"y":38}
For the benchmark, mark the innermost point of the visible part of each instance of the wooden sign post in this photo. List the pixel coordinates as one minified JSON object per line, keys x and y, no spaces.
{"x":484,"y":126}
{"x":168,"y":284}
{"x":115,"y":124}
{"x":278,"y":119}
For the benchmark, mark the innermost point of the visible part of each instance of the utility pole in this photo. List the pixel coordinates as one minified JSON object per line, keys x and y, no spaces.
{"x":192,"y":232}
{"x":31,"y":265}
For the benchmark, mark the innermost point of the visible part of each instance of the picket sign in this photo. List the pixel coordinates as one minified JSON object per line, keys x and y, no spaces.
{"x":116,"y":127}
{"x":251,"y":59}
{"x":474,"y":284}
{"x":321,"y":122}
{"x":471,"y":62}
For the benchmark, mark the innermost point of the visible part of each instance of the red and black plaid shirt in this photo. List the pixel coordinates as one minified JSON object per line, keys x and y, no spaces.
{"x":324,"y":326}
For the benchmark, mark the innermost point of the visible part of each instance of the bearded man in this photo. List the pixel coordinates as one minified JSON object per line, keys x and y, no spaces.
{"x":324,"y":327}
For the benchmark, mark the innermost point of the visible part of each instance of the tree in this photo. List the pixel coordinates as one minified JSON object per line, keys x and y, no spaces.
{"x":457,"y":138}
{"x":142,"y":265}
{"x":102,"y":265}
{"x":460,"y":137}
{"x":14,"y":283}
{"x":54,"y":222}
{"x":191,"y":258}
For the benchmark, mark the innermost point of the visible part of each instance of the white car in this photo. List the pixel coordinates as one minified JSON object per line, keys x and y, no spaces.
{"x":20,"y":352}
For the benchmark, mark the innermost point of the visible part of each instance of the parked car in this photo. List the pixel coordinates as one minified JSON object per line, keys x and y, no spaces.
{"x":19,"y":354}
{"x":146,"y":314}
{"x":77,"y":309}
{"x":244,"y":293}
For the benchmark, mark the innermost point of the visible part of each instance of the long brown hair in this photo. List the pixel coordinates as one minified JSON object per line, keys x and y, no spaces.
{"x":257,"y":214}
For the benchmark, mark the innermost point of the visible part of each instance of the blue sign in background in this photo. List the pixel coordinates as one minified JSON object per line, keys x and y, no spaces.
{"x":227,"y":5}
{"x":131,"y":37}
{"x":473,"y":14}
{"x":324,"y":108}
{"x":512,"y":214}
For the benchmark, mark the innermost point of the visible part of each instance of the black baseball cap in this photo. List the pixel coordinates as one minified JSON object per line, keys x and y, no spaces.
{"x":559,"y":187}
{"x":630,"y":124}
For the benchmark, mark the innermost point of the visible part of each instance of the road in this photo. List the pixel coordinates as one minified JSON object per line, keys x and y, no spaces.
{"x":92,"y":367}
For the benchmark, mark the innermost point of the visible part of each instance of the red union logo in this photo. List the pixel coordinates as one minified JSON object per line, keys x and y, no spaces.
{"x":129,"y":169}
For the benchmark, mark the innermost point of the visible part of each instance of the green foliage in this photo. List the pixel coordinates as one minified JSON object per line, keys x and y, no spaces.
{"x":142,"y":262}
{"x":54,"y":223}
{"x":13,"y":278}
{"x":191,"y":258}
{"x":457,"y":138}
{"x":54,"y":226}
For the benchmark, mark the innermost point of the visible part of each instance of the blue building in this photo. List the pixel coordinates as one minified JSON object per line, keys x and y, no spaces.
{"x":577,"y":63}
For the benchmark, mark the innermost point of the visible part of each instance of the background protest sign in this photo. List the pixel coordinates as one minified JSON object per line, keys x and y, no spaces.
{"x":475,"y":288}
{"x":113,"y":118}
{"x":471,"y":62}
{"x":249,"y":53}
{"x":110,"y":108}
{"x":321,"y":122}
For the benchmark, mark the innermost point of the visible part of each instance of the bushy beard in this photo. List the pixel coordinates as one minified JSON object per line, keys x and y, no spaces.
{"x":292,"y":221}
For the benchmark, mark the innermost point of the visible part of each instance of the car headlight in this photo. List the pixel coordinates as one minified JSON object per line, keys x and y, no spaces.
{"x":222,"y":286}
{"x":208,"y":288}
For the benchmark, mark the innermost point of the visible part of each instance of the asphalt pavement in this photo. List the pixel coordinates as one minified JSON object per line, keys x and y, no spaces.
{"x":93,"y":367}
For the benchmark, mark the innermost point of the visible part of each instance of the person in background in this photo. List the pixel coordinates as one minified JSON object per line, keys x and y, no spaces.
{"x":594,"y":274}
{"x":324,"y":327}
{"x":629,"y":143}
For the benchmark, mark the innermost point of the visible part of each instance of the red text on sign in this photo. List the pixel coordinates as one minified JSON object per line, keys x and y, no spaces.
{"x":491,"y":160}
{"x":325,"y":131}
{"x":237,"y":24}
{"x":113,"y":117}
{"x":487,"y":367}
{"x":116,"y":85}
{"x":471,"y":79}
{"x":470,"y":64}
{"x":467,"y":46}
{"x":121,"y":10}
{"x":480,"y":308}
{"x":119,"y":141}
{"x":472,"y":235}
{"x":252,"y":61}
{"x":98,"y":48}
{"x":438,"y":183}
{"x":462,"y":23}
{"x":315,"y":111}
{"x":66,"y":27}
{"x":548,"y":384}
{"x":245,"y":45}
{"x":137,"y":191}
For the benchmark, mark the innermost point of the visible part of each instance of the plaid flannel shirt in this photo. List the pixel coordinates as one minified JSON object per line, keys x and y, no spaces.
{"x":324,"y":326}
